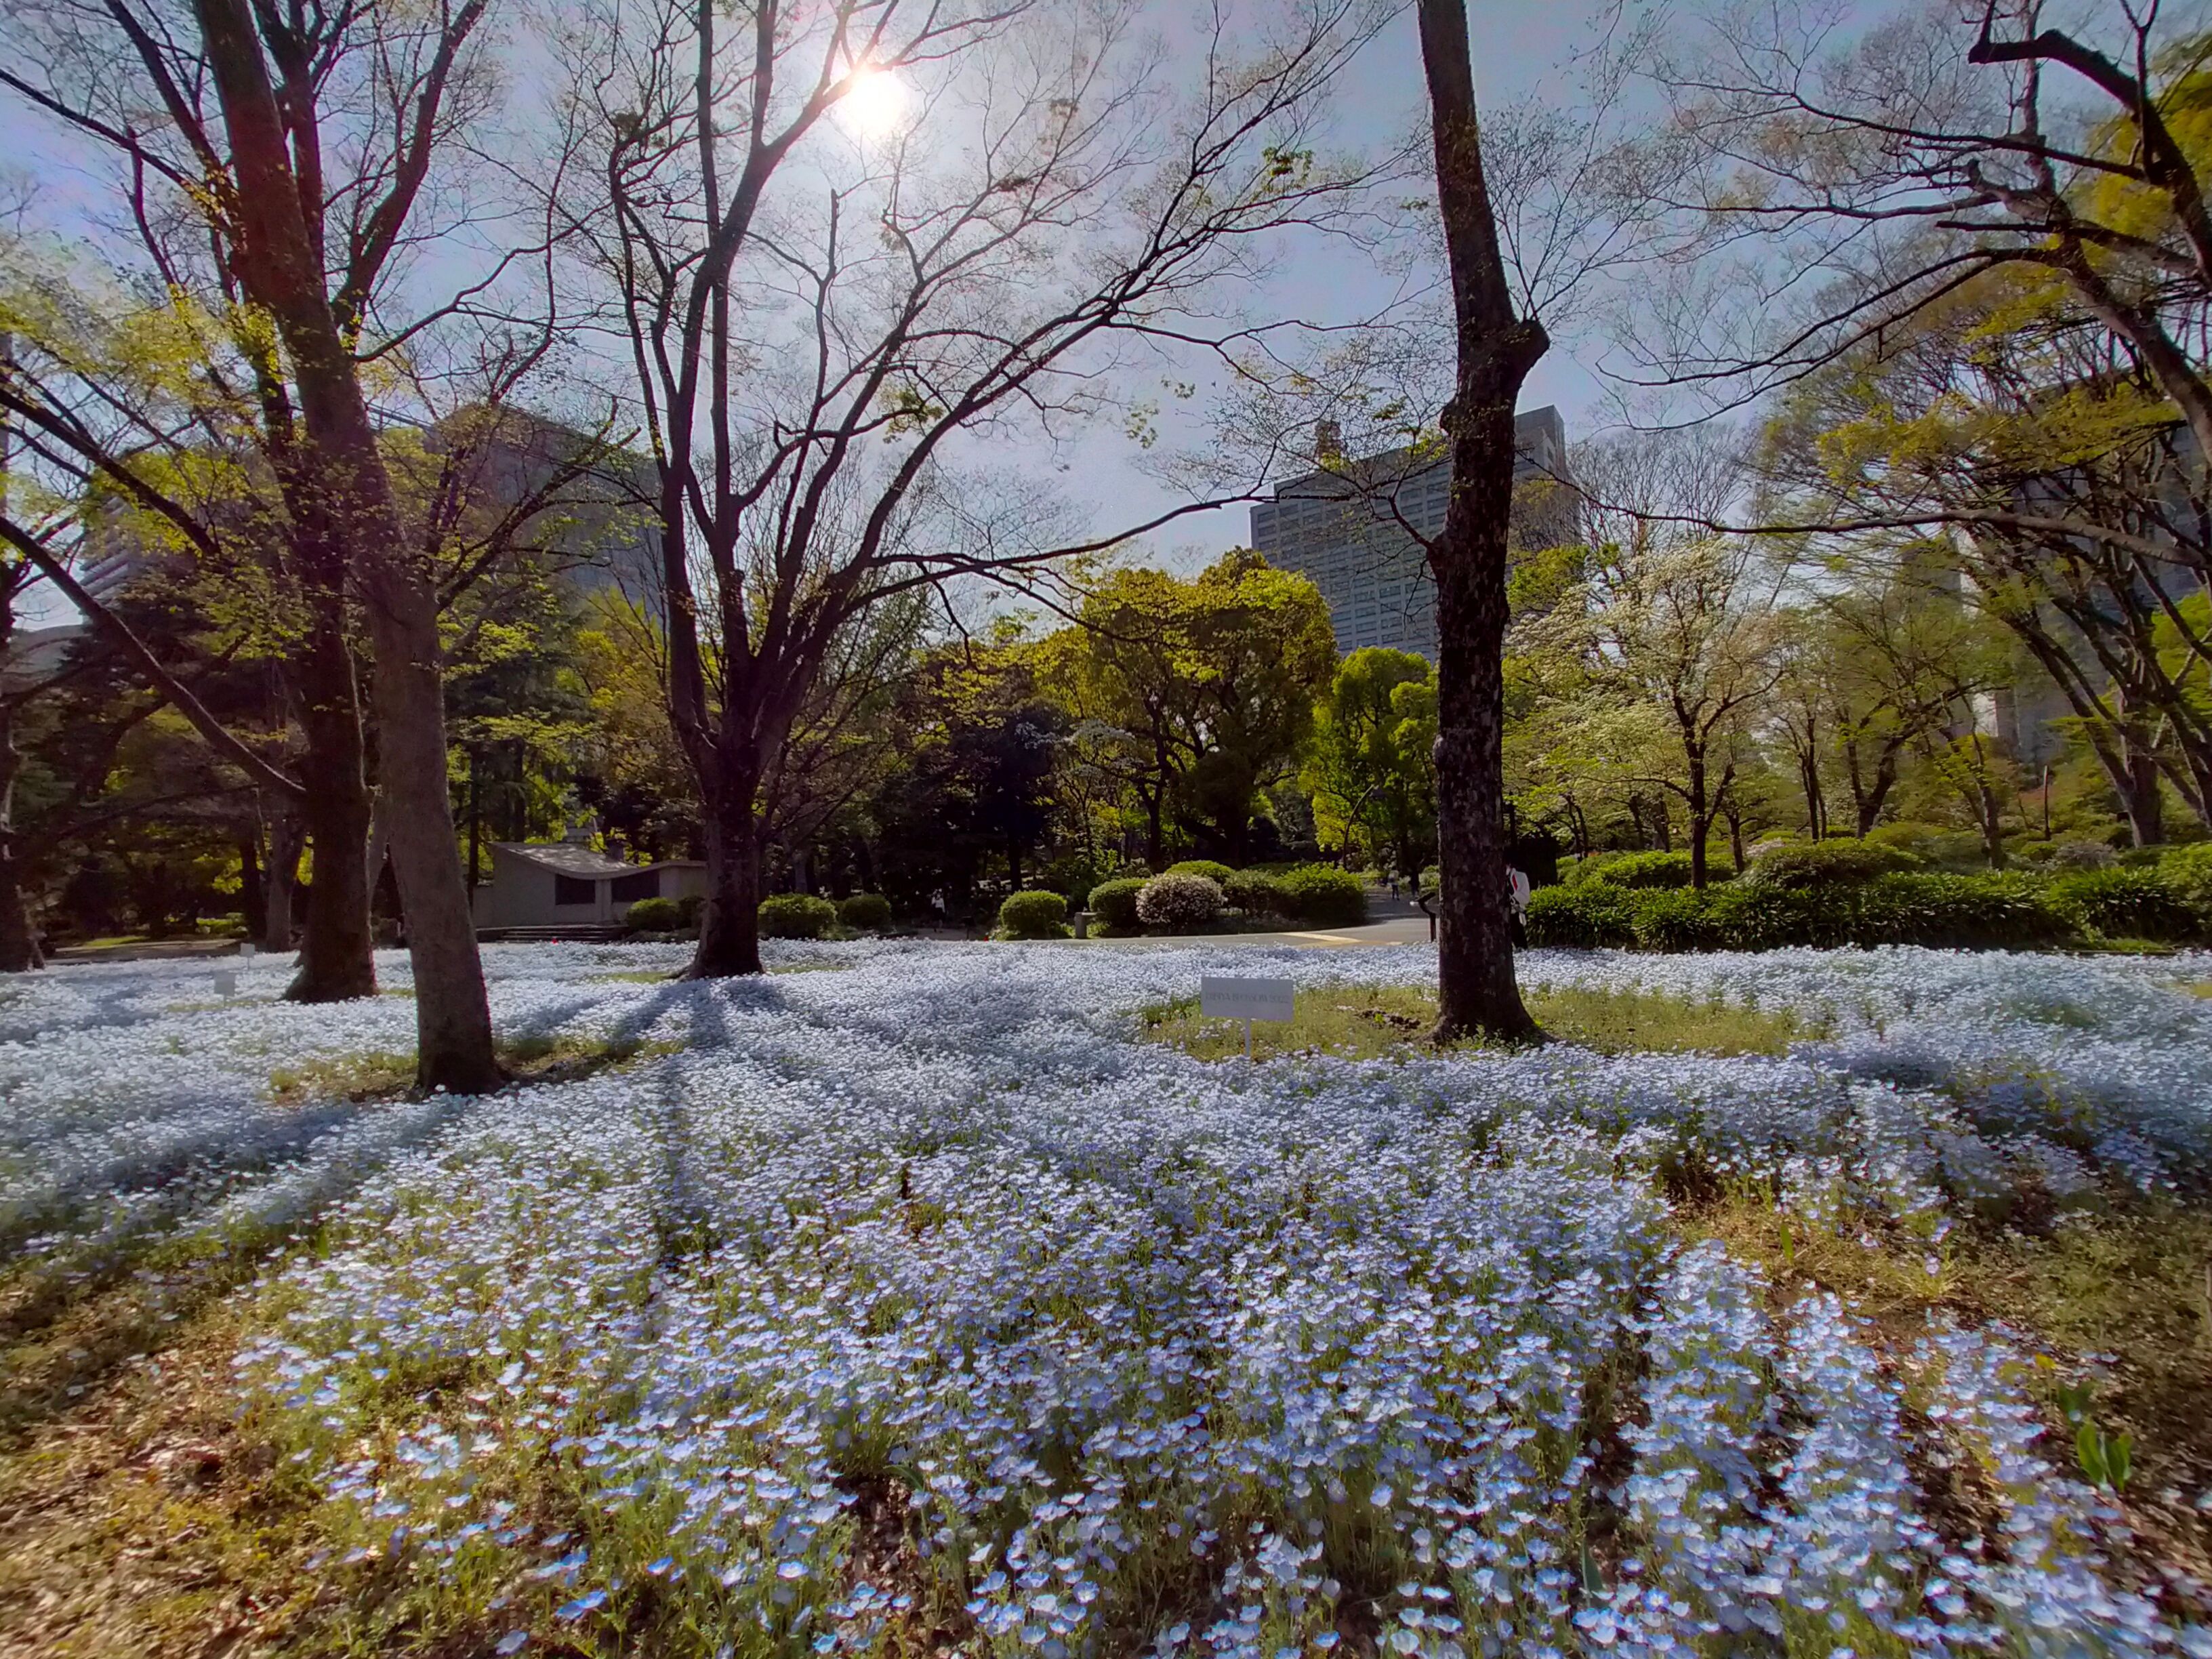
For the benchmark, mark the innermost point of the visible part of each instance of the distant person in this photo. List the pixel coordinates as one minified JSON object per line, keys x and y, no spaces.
{"x":1517,"y":896}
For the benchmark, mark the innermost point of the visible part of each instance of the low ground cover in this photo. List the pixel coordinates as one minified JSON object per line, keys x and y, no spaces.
{"x":920,"y":1304}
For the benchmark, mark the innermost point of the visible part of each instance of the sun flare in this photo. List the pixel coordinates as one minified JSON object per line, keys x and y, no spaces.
{"x":875,"y":106}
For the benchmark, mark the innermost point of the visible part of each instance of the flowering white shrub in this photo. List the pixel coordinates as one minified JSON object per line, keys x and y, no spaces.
{"x":1096,"y":1318}
{"x":1179,"y":901}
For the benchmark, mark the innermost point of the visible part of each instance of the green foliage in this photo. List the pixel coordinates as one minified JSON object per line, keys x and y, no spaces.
{"x":690,"y":907}
{"x":1219,"y":874}
{"x":867,"y":913}
{"x":2188,"y":873}
{"x":1322,"y":895}
{"x":1931,"y":843}
{"x":1176,"y":903}
{"x":1588,"y":916}
{"x":1193,"y":698}
{"x":2128,"y":904}
{"x":1634,"y":870}
{"x":1671,"y":919}
{"x":1370,"y":770}
{"x":1115,"y":901}
{"x":653,"y":915}
{"x":796,"y":915}
{"x":1255,"y":892}
{"x":1811,"y":864}
{"x":1036,"y":913}
{"x":1930,"y":908}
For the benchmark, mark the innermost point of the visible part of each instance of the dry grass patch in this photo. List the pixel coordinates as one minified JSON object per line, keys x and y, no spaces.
{"x":387,"y":1076}
{"x":1380,"y":1022}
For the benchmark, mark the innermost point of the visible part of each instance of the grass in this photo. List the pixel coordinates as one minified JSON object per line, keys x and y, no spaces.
{"x":386,"y":1076}
{"x":1377,"y":1022}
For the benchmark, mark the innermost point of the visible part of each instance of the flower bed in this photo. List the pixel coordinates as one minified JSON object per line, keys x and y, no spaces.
{"x":1131,"y":1350}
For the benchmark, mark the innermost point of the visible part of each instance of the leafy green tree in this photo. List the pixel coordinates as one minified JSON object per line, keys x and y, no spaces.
{"x":1197,"y":694}
{"x":1371,"y":767}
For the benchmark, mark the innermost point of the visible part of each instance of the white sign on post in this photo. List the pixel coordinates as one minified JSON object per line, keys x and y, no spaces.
{"x":1220,"y":997}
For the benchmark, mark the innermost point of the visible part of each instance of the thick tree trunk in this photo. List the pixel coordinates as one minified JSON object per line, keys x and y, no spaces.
{"x":729,"y":927}
{"x":280,"y":882}
{"x":336,"y":951}
{"x":2141,"y":798}
{"x":282,"y":273}
{"x":1475,"y":987}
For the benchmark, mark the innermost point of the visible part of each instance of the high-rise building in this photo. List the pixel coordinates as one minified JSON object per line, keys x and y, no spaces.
{"x":1353,"y":530}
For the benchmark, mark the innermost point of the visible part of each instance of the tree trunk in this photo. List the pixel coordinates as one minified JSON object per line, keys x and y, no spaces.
{"x":1701,"y":820}
{"x":252,"y":891}
{"x":280,"y":883}
{"x":1475,"y":989}
{"x":336,"y":951}
{"x":2141,"y":799}
{"x":18,"y":935}
{"x":283,"y":272}
{"x":729,"y":927}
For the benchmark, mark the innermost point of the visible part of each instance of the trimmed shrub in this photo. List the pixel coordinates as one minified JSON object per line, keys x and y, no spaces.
{"x":653,"y":915}
{"x":1936,"y":908}
{"x":1931,"y":843}
{"x":2188,"y":871}
{"x":1219,"y":874}
{"x":1116,"y":901}
{"x":1322,"y":895}
{"x":1588,"y":916}
{"x":1033,"y":914}
{"x":1753,"y":916}
{"x":1255,"y":892}
{"x":1176,"y":903}
{"x":2126,"y":904}
{"x":796,"y":915}
{"x":1812,"y":863}
{"x":1671,"y":919}
{"x":1635,"y":870}
{"x":866,"y":913}
{"x":690,"y":907}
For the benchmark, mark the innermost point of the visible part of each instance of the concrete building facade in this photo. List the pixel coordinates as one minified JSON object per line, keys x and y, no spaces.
{"x":1342,"y":530}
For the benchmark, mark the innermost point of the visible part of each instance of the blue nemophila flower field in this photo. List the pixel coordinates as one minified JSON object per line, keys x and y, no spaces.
{"x":918,"y":1301}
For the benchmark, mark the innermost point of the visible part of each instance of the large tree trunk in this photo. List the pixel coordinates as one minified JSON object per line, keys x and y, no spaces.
{"x":338,"y":958}
{"x":1475,"y":989}
{"x":283,"y":274}
{"x":1701,"y":820}
{"x":729,"y":927}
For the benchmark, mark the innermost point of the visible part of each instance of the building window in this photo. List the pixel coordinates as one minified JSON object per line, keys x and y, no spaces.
{"x":575,"y":889}
{"x":645,"y":884}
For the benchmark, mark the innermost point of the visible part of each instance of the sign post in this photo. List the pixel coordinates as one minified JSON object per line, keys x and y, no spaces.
{"x":1220,"y":997}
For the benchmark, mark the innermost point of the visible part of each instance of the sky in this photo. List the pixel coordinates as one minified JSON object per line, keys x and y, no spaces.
{"x":1518,"y":48}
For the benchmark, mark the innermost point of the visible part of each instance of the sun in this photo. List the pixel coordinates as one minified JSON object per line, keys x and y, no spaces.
{"x":875,"y":106}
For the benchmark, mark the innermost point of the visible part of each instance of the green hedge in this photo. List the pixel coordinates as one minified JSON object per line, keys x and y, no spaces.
{"x":796,"y":915}
{"x":653,"y":915}
{"x":1929,"y":907}
{"x":2128,"y":903}
{"x":1219,"y":874}
{"x":2188,"y":871}
{"x":1033,"y":914}
{"x":1115,"y":901}
{"x":1810,"y":863}
{"x":1322,"y":895}
{"x":1255,"y":892}
{"x":1633,"y":870}
{"x":866,"y":913}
